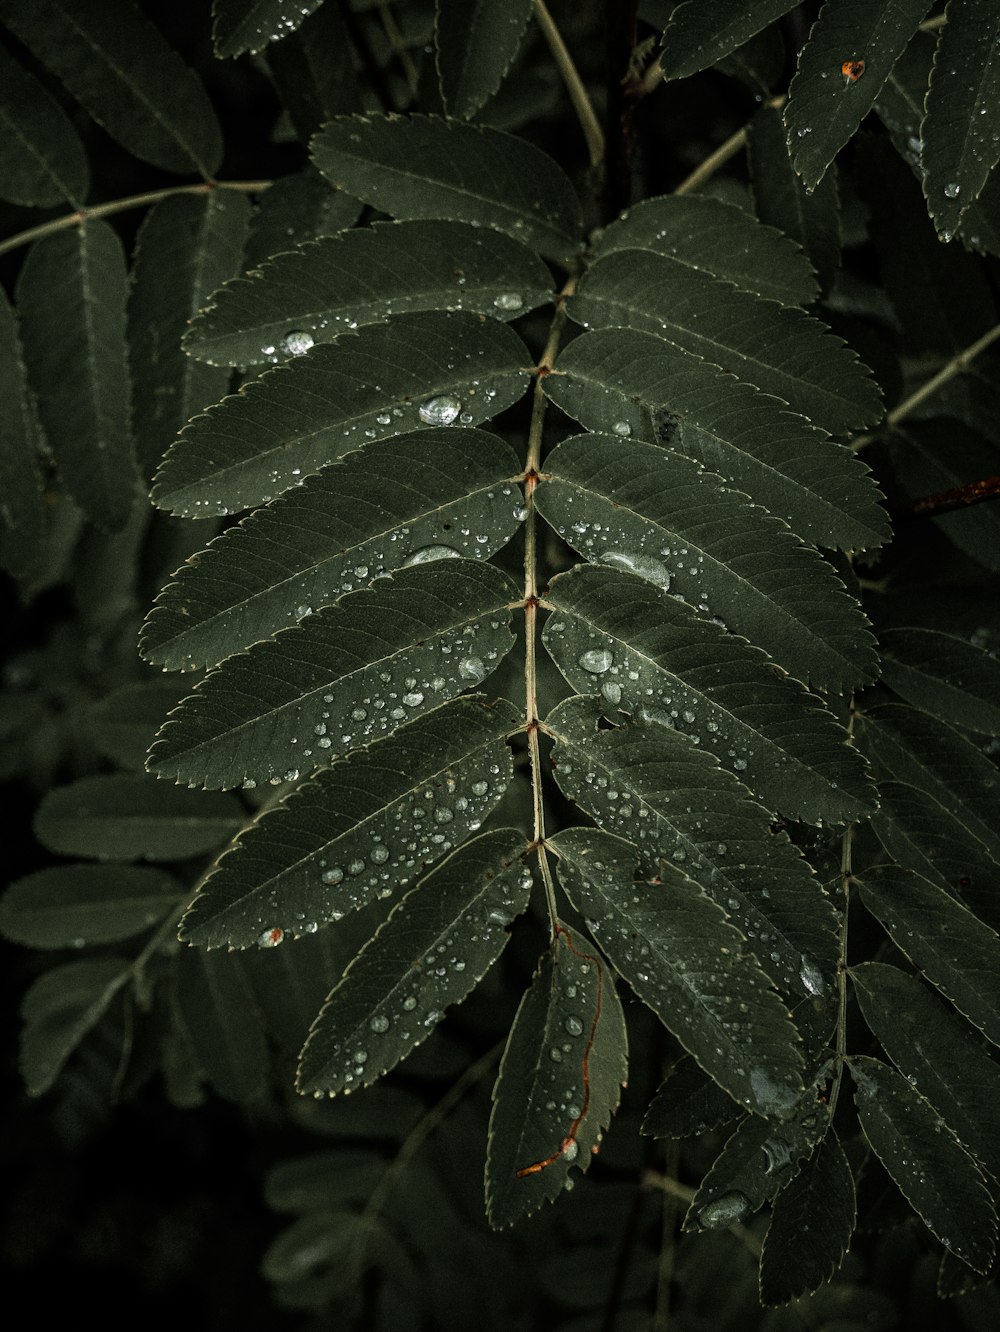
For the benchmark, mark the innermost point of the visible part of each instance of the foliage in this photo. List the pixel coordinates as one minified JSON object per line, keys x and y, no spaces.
{"x":590,"y":559}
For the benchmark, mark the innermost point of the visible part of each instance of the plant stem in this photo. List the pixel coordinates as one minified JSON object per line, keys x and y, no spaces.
{"x":845,"y":883}
{"x":954,"y":367}
{"x":705,"y":170}
{"x":532,"y":720}
{"x":123,"y":205}
{"x":399,"y":48}
{"x":589,"y":123}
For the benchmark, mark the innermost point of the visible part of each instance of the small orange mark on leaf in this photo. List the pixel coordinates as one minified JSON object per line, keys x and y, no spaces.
{"x":852,"y":70}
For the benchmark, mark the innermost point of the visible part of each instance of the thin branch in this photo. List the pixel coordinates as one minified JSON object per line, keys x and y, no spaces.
{"x":954,"y":367}
{"x":589,"y":123}
{"x":931,"y":24}
{"x":123,"y":205}
{"x":399,"y":48}
{"x":705,"y":170}
{"x":949,"y":501}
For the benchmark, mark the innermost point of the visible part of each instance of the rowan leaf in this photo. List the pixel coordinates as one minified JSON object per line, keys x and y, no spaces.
{"x":42,"y":160}
{"x":475,"y":44}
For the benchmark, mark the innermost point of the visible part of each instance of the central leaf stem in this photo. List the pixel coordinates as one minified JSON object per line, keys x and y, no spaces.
{"x":531,"y":468}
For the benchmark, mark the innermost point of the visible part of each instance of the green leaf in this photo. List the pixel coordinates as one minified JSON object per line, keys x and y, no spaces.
{"x":22,"y":512}
{"x":347,"y":674}
{"x":782,"y":201}
{"x":314,"y":70}
{"x":71,"y":296}
{"x":318,"y":1180}
{"x":559,"y":1083}
{"x":699,"y":35}
{"x":435,"y":947}
{"x":657,"y":514}
{"x":629,"y":383}
{"x":926,"y":1161}
{"x":911,"y":747}
{"x":613,"y":629}
{"x":717,"y":239}
{"x":198,"y":240}
{"x":119,"y":68}
{"x":361,"y":277}
{"x":420,"y":369}
{"x":687,"y":1103}
{"x":297,"y":209}
{"x":918,"y":833}
{"x":424,"y":166}
{"x":432,"y":495}
{"x":125,"y":720}
{"x":249,"y":25}
{"x":60,"y":1009}
{"x":291,"y":984}
{"x":652,"y":785}
{"x":125,"y":816}
{"x":824,"y":106}
{"x":961,"y":129}
{"x":954,"y":950}
{"x":933,"y":1050}
{"x":73,"y":905}
{"x":943,"y":675}
{"x":812,"y":1220}
{"x":368,"y":825}
{"x":757,"y":1160}
{"x":42,"y":160}
{"x":475,"y":43}
{"x":783,"y":352}
{"x":320,"y":1247}
{"x":690,"y":968}
{"x":216,"y":1011}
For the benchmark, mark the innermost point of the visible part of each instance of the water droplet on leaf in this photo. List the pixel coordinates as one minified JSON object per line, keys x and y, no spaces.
{"x":441,"y":410}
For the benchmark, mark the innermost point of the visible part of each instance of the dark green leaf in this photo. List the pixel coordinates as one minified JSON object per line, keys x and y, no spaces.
{"x":717,"y":239}
{"x":919,"y":833}
{"x":198,"y":241}
{"x":783,"y":352}
{"x":125,"y":721}
{"x":365,"y":827}
{"x":655,"y":513}
{"x":347,"y":674}
{"x":961,"y":129}
{"x":912,"y":747}
{"x":757,"y":1160}
{"x":42,"y":160}
{"x":296,"y":209}
{"x":629,"y":383}
{"x":217,"y":1012}
{"x":424,"y":166}
{"x":926,"y":1161}
{"x":361,"y":277}
{"x":434,"y":948}
{"x":825,"y":107}
{"x":314,"y":71}
{"x":476,"y":42}
{"x":900,"y":101}
{"x":290,"y":984}
{"x":560,"y":1080}
{"x":248,"y":25}
{"x":71,"y":294}
{"x":60,"y":1009}
{"x":127,"y":816}
{"x":653,"y":786}
{"x":432,"y":495}
{"x":420,"y":369}
{"x":73,"y":905}
{"x":954,"y":950}
{"x":943,"y":675}
{"x":117,"y":66}
{"x":698,"y":35}
{"x":812,"y":1220}
{"x":321,"y":1246}
{"x":613,"y":629}
{"x":935,"y":1052}
{"x":320,"y":1180}
{"x":687,"y":1103}
{"x":781,"y":199}
{"x":690,"y":968}
{"x":22,"y":512}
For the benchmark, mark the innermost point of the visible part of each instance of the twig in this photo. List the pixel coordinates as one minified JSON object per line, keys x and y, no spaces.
{"x":589,"y":123}
{"x":954,"y":367}
{"x":705,"y":170}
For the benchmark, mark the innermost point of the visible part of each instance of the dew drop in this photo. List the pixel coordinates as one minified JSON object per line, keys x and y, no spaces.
{"x":296,"y":343}
{"x":441,"y":410}
{"x":641,"y":565}
{"x":725,"y":1210}
{"x":472,"y":669}
{"x":622,"y":428}
{"x":596,"y":660}
{"x":334,"y":875}
{"x":571,"y":1150}
{"x":574,"y":1026}
{"x":952,"y":189}
{"x":480,"y":788}
{"x":811,"y":976}
{"x":379,"y":1024}
{"x":410,"y":1003}
{"x":271,"y":938}
{"x":380,"y":854}
{"x":428,"y":554}
{"x":611,"y":691}
{"x":508,"y":300}
{"x":413,"y":699}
